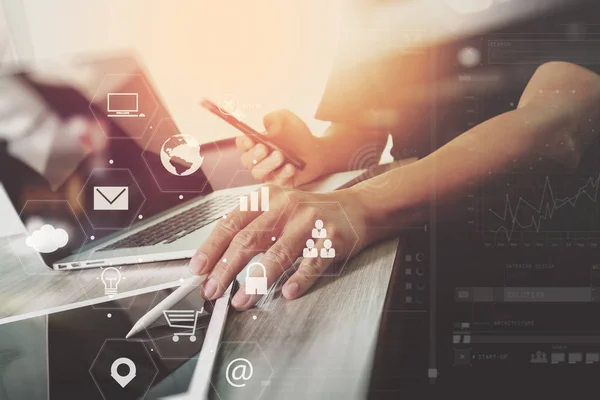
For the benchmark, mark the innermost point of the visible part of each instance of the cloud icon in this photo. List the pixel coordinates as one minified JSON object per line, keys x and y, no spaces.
{"x":47,"y":239}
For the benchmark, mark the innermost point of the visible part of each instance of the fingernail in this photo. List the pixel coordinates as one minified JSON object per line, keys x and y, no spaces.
{"x":198,"y":263}
{"x":241,"y":298}
{"x":210,"y":288}
{"x":278,"y":156}
{"x":288,"y":170}
{"x":292,"y":290}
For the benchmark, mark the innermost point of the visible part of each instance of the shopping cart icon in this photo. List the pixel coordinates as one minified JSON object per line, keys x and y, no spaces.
{"x":187,"y":319}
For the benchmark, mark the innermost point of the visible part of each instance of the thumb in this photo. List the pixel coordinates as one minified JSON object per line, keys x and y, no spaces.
{"x":284,"y":126}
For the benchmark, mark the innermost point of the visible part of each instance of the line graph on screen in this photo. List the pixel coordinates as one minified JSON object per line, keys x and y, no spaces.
{"x":547,"y":208}
{"x":561,"y":206}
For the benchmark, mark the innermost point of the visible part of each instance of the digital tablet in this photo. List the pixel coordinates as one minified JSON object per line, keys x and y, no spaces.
{"x":83,"y":354}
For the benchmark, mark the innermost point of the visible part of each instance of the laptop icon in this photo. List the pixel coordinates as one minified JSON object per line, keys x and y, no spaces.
{"x":123,"y":105}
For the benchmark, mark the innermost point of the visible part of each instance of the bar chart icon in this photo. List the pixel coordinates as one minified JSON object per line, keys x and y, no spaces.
{"x":254,"y":201}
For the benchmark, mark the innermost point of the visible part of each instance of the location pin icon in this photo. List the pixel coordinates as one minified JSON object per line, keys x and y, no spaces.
{"x":123,"y":380}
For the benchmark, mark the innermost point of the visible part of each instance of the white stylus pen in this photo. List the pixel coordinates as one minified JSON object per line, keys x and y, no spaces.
{"x":148,"y":319}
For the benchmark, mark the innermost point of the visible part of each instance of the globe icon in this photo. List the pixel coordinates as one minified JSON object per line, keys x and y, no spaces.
{"x":180,"y":155}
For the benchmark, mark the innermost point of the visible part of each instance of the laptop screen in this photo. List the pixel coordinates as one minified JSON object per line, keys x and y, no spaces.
{"x":80,"y":162}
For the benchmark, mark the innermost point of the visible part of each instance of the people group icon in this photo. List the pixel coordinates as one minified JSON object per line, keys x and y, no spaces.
{"x":310,"y":251}
{"x":318,"y":232}
{"x":327,"y":251}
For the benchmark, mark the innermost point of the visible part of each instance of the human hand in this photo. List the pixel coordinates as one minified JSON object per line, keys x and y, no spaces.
{"x":288,"y":131}
{"x":291,"y":219}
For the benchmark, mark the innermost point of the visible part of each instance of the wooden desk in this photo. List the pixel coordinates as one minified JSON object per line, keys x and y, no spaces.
{"x":319,"y":346}
{"x":29,"y":288}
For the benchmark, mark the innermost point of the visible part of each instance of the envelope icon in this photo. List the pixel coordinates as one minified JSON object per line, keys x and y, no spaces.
{"x":111,"y":198}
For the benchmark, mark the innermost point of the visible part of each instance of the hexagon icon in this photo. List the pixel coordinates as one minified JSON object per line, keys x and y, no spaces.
{"x":178,"y":161}
{"x":53,"y":232}
{"x":111,"y":283}
{"x":252,"y":274}
{"x":258,"y":199}
{"x":228,"y":104}
{"x":124,"y":106}
{"x":180,"y":332}
{"x":123,"y":369}
{"x":243,"y":371}
{"x":111,"y":198}
{"x":320,"y":239}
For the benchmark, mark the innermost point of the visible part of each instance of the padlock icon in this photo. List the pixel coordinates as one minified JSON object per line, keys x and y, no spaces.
{"x":256,"y":284}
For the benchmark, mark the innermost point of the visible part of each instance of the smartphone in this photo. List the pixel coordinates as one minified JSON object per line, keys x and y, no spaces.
{"x":254,"y":135}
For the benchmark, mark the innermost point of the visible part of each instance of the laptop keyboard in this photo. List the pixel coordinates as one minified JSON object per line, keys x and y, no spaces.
{"x":179,"y":225}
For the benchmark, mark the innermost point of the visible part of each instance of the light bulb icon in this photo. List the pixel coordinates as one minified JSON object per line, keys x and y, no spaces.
{"x":110,"y":278}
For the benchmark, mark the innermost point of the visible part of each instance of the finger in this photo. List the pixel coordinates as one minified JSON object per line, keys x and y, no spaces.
{"x":308,"y":272}
{"x":243,"y":247}
{"x":244,"y":143}
{"x":210,"y":252}
{"x":284,"y":176}
{"x":255,"y":155}
{"x":243,"y":300}
{"x":276,"y":260}
{"x":282,"y":127}
{"x":275,"y":122}
{"x":264,"y":170}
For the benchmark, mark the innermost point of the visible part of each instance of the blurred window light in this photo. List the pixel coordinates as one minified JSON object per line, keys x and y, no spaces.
{"x":469,"y":6}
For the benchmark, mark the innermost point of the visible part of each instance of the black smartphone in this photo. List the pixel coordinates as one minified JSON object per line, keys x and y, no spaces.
{"x":253,"y":134}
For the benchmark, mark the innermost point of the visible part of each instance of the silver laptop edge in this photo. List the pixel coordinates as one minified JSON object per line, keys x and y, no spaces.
{"x":92,"y":255}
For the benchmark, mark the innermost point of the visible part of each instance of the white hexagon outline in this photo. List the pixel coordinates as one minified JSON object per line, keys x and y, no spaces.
{"x":135,"y":214}
{"x":145,"y":150}
{"x":98,"y":121}
{"x":266,"y":302}
{"x":262,"y":391}
{"x":285,"y":192}
{"x":50,"y":270}
{"x":270,"y":292}
{"x":283,"y":278}
{"x":158,"y":348}
{"x":348,"y":257}
{"x":270,"y":299}
{"x":272,"y":184}
{"x":237,"y":108}
{"x":292,"y":262}
{"x":136,"y":265}
{"x":130,"y":341}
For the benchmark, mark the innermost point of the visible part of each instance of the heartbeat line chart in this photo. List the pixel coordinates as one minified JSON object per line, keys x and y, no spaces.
{"x":526,"y":216}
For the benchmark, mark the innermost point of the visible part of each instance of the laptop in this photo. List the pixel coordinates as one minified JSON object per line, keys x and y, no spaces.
{"x":126,"y":190}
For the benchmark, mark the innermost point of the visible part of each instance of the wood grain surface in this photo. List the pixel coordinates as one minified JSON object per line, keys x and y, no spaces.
{"x":318,"y":346}
{"x":29,"y":288}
